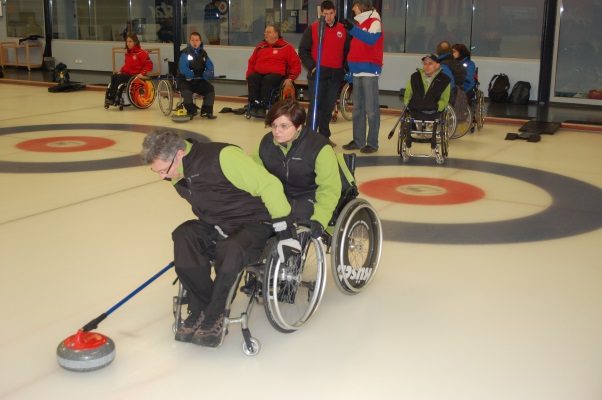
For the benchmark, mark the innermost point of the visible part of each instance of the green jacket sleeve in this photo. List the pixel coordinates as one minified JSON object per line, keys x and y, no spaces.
{"x":329,"y":184}
{"x":253,"y":178}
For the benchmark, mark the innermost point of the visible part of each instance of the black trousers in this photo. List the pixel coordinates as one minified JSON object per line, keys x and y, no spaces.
{"x":260,"y":87}
{"x":200,"y":87}
{"x":116,"y":80}
{"x":327,"y":97}
{"x":197,"y":244}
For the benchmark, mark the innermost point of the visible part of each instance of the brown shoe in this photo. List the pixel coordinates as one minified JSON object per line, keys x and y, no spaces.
{"x":210,"y":331}
{"x":192,"y":323}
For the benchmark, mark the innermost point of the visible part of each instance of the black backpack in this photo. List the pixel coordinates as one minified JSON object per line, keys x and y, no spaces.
{"x":520,"y":93}
{"x":498,"y":88}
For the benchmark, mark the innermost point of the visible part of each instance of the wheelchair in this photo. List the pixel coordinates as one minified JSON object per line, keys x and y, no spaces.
{"x":434,"y":129}
{"x":282,"y":91}
{"x":477,"y":105}
{"x":139,"y":92}
{"x":345,"y":100}
{"x":291,"y":292}
{"x":168,"y":93}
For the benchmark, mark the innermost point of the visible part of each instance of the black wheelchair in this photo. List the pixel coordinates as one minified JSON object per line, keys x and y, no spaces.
{"x":281,"y":91}
{"x":434,"y":128}
{"x":170,"y":97}
{"x":291,"y":292}
{"x":138,"y":92}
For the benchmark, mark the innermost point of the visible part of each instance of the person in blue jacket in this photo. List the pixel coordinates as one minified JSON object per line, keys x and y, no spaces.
{"x":196,"y":68}
{"x":461,"y":53}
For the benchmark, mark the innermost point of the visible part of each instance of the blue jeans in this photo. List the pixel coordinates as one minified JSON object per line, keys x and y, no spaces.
{"x":365,"y":104}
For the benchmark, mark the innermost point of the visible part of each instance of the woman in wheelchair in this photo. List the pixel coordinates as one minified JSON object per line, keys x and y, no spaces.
{"x":239,"y":205}
{"x":461,"y":53}
{"x":137,"y":63}
{"x":305,"y":163}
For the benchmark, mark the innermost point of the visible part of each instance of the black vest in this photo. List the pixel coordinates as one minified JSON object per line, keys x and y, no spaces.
{"x":296,"y":170}
{"x":198,"y":62}
{"x":428,"y":101}
{"x":214,"y":199}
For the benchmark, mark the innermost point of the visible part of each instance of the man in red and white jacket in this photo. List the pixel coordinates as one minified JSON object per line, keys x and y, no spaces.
{"x":272,"y":60}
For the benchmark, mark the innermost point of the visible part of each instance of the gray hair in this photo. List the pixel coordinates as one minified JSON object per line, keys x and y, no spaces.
{"x":161,"y":145}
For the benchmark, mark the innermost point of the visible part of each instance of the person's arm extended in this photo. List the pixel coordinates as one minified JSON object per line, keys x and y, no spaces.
{"x":247,"y":175}
{"x":370,"y":36}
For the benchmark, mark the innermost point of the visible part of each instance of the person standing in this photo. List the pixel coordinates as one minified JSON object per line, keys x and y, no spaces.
{"x":365,"y":62}
{"x":238,"y":204}
{"x":197,"y":68}
{"x":335,"y":46}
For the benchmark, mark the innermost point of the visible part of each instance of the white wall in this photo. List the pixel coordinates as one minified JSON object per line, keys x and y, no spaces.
{"x":232,"y":62}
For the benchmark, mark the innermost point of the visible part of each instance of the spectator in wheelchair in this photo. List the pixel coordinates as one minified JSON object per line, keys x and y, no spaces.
{"x":333,"y":62}
{"x":273,"y":60}
{"x":451,"y":67}
{"x":305,"y":163}
{"x":461,"y":53}
{"x":238,"y":205}
{"x":137,"y":62}
{"x":196,"y":68}
{"x":427,"y":91}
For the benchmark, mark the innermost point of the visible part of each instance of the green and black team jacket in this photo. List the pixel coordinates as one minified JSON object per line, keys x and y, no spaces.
{"x":225,"y":187}
{"x":308,"y":170}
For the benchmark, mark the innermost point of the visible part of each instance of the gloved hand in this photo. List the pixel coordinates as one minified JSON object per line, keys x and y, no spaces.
{"x":316,"y":228}
{"x":288,"y":244}
{"x":348,"y":24}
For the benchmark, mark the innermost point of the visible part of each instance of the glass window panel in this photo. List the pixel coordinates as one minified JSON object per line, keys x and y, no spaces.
{"x":430,"y":22}
{"x":393,"y":15}
{"x":578,"y":68}
{"x":24,"y":18}
{"x":508,"y":28}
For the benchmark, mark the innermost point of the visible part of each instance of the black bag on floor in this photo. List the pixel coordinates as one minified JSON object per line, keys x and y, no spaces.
{"x":498,"y":88}
{"x":521,"y":91}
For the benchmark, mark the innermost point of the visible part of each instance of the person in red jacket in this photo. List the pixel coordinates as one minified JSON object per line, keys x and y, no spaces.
{"x":272,"y":60}
{"x":335,"y":46}
{"x":137,"y":62}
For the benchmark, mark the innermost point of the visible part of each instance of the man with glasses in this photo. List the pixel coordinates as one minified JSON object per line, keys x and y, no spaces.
{"x":305,"y":163}
{"x":239,"y":205}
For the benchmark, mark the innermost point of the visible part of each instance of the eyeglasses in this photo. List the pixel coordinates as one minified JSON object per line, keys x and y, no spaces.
{"x":165,"y":172}
{"x":282,"y":127}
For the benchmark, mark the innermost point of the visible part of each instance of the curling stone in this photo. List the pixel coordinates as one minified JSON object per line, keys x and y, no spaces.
{"x":181,"y":116}
{"x":85,"y":351}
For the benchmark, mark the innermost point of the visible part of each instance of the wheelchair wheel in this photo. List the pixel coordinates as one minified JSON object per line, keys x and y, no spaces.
{"x":141,"y":92}
{"x":402,"y":147}
{"x":165,"y":95}
{"x":346,"y":101}
{"x":479,"y":110}
{"x":356,"y":246}
{"x":292,"y":291}
{"x":462,"y":127}
{"x":449,"y":120}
